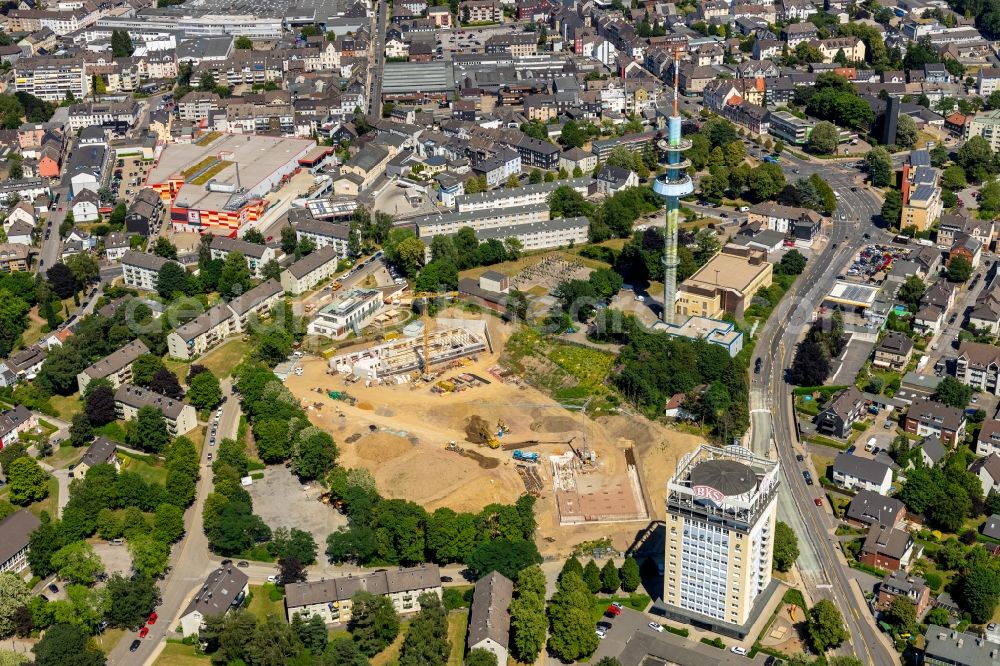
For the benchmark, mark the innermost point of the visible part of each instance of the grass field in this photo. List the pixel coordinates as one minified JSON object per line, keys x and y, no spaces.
{"x":565,"y":371}
{"x":261,"y":604}
{"x":50,"y":503}
{"x":220,"y":360}
{"x":458,"y":624}
{"x":178,"y":654}
{"x":66,"y":405}
{"x":64,"y":455}
{"x":636,"y":602}
{"x":149,"y":472}
{"x":109,"y":639}
{"x":390,"y":655}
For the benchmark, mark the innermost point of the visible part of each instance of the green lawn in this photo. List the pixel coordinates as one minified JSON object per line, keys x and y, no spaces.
{"x":220,"y":360}
{"x":66,"y":405}
{"x":50,"y":503}
{"x":458,"y":625}
{"x":149,"y":472}
{"x":390,"y":655}
{"x":64,"y":455}
{"x":261,"y":604}
{"x":636,"y":602}
{"x":114,"y":430}
{"x":109,"y":639}
{"x":178,"y":654}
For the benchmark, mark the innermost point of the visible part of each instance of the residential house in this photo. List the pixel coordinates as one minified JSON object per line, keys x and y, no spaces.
{"x":224,"y":590}
{"x":24,"y":364}
{"x":852,"y":472}
{"x":931,"y":418}
{"x":116,"y":244}
{"x":843,"y":409}
{"x":14,"y":257}
{"x":987,"y":470}
{"x":489,"y":617}
{"x":15,"y":536}
{"x":102,"y":451}
{"x":957,"y":648}
{"x":14,"y":422}
{"x":889,"y":548}
{"x":978,"y":366}
{"x":991,"y":528}
{"x":180,"y":417}
{"x":897,"y":584}
{"x":19,"y":233}
{"x":143,"y":215}
{"x":332,"y":599}
{"x":116,"y":367}
{"x":988,"y":440}
{"x":932,"y":451}
{"x":893,"y":352}
{"x":870,"y":508}
{"x":612,"y":179}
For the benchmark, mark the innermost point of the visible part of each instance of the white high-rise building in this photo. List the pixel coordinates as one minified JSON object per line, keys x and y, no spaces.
{"x":721,"y":507}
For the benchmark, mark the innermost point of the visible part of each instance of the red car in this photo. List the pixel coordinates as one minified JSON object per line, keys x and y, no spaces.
{"x":152,"y":618}
{"x":614,"y":610}
{"x":818,"y":501}
{"x":144,"y":632}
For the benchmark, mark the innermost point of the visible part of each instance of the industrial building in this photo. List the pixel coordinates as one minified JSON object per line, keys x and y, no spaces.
{"x":218,"y":185}
{"x":726,"y":284}
{"x":721,"y":509}
{"x":417,"y":81}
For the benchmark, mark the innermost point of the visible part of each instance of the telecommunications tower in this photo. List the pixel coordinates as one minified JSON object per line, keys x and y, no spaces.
{"x":672,"y":185}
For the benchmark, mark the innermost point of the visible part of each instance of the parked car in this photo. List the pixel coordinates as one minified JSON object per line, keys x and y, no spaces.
{"x":736,"y":649}
{"x":135,"y":645}
{"x":53,"y":588}
{"x":655,"y":627}
{"x":152,"y":618}
{"x":818,"y":501}
{"x":243,"y":564}
{"x":144,"y":632}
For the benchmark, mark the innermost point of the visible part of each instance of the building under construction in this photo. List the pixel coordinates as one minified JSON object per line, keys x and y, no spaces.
{"x":454,"y":339}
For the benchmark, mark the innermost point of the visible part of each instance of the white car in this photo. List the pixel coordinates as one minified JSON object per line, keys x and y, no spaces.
{"x":272,"y":579}
{"x":655,"y":627}
{"x":736,"y":649}
{"x":600,"y":633}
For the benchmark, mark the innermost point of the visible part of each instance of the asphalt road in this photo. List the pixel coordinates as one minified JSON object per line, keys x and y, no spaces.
{"x":375,"y":83}
{"x":821,"y":565}
{"x":189,"y":559}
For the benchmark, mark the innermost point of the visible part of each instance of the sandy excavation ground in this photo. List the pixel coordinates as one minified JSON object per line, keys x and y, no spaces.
{"x":407,"y":453}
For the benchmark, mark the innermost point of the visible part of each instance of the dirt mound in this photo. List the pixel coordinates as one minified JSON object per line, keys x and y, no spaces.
{"x":381,"y":447}
{"x":555,"y":424}
{"x":353,"y":438}
{"x":477,"y":430}
{"x":365,"y":405}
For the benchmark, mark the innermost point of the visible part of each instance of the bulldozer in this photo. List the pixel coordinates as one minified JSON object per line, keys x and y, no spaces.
{"x":502,"y":427}
{"x":478,"y":431}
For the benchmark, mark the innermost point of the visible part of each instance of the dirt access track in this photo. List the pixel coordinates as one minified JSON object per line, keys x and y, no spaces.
{"x":407,"y":452}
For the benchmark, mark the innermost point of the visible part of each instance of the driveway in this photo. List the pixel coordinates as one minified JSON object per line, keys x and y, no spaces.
{"x":856,"y":352}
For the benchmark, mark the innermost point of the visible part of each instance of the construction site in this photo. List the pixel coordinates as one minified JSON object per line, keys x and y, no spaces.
{"x":465,"y":449}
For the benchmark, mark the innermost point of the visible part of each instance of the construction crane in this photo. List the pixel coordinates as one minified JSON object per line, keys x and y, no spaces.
{"x":426,"y":319}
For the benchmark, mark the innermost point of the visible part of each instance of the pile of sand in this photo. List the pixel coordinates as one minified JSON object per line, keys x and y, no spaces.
{"x":382,"y":447}
{"x":365,"y":405}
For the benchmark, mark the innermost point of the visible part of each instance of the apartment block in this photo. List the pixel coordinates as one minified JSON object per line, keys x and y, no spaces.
{"x":180,"y":417}
{"x":348,"y":313}
{"x":978,"y":366}
{"x":15,"y":535}
{"x":116,"y":367}
{"x":310,"y":270}
{"x":256,"y":255}
{"x":141,"y":269}
{"x":986,"y":125}
{"x":332,"y":599}
{"x":438,"y":224}
{"x":51,"y":78}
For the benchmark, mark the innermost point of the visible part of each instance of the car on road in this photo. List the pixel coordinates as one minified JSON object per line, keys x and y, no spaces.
{"x":152,"y":618}
{"x":757,"y":365}
{"x":807,"y":476}
{"x":655,"y":627}
{"x":53,"y":588}
{"x":799,"y":457}
{"x":135,"y":645}
{"x":243,"y":564}
{"x":617,"y":604}
{"x":210,"y":454}
{"x":818,"y":501}
{"x":736,"y":649}
{"x":272,"y":579}
{"x":446,"y":579}
{"x":600,"y":633}
{"x":144,"y":632}
{"x":770,"y":661}
{"x":613,"y":611}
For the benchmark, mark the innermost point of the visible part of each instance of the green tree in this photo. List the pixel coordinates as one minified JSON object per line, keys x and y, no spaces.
{"x":205,"y":391}
{"x":480,"y":657}
{"x":148,"y":431}
{"x":235,"y":278}
{"x":976,"y":157}
{"x":374,"y":622}
{"x":981,"y":592}
{"x":786,"y":547}
{"x":121,"y":44}
{"x":426,"y":642}
{"x":14,"y":595}
{"x":503,"y":556}
{"x":313,"y":453}
{"x":610,"y":580}
{"x":824,"y":138}
{"x":27,"y":481}
{"x":149,"y":556}
{"x":911,"y":291}
{"x":78,"y":563}
{"x":938,"y":616}
{"x":80,"y":430}
{"x":168,"y":523}
{"x":404,"y":250}
{"x":11,"y":112}
{"x":630,"y":575}
{"x":952,"y":392}
{"x":84,"y":267}
{"x":130,"y":600}
{"x":906,"y":131}
{"x":244,"y":43}
{"x":892,"y":208}
{"x":959,"y":269}
{"x":826,"y":626}
{"x":793,"y":263}
{"x":879,"y":165}
{"x":144,"y":368}
{"x":571,"y":636}
{"x":165,"y":248}
{"x":527,"y":615}
{"x":62,"y":640}
{"x":171,"y":279}
{"x":901,"y":614}
{"x":42,"y":544}
{"x":344,"y":652}
{"x":592,"y":577}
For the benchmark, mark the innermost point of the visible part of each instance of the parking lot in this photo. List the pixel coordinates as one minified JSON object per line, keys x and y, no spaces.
{"x":115,"y":558}
{"x":875,"y":259}
{"x":128,"y":177}
{"x":282,"y":501}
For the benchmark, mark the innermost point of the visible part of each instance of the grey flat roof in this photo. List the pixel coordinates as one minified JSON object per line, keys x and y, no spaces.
{"x":406,"y":77}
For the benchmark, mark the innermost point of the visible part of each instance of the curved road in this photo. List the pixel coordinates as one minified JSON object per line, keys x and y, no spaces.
{"x":821,"y":565}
